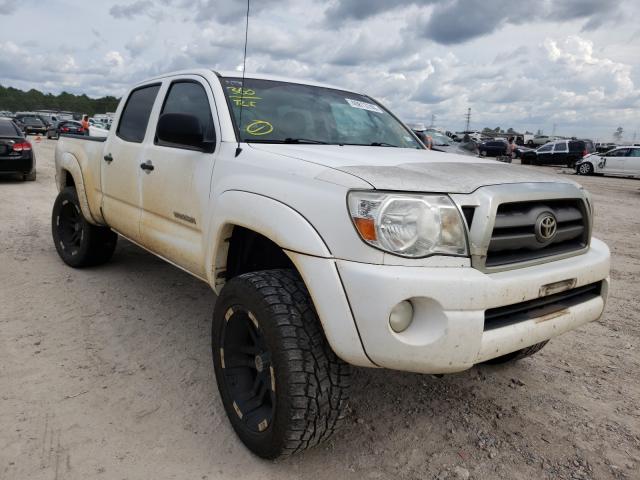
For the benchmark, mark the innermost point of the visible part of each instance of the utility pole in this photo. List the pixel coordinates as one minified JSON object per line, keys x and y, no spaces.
{"x":553,"y":133}
{"x":433,"y":120}
{"x":468,"y":117}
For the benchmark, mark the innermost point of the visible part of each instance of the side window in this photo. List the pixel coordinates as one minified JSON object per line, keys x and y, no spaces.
{"x":135,"y":116}
{"x":560,"y":147}
{"x":634,"y":152}
{"x":622,"y":152}
{"x":190,"y":98}
{"x":545,"y":148}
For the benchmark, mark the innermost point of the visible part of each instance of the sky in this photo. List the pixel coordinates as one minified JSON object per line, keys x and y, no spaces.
{"x":567,"y":67}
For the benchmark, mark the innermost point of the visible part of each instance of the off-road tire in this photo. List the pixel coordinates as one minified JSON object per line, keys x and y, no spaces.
{"x":518,"y":354}
{"x":93,"y":245}
{"x":585,"y":169}
{"x":311,"y":382}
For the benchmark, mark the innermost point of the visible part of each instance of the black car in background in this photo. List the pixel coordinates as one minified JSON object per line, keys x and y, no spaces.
{"x":561,"y":152}
{"x":34,"y":125}
{"x":19,"y":123}
{"x":16,"y":154}
{"x":493,"y":148}
{"x":65,"y":126}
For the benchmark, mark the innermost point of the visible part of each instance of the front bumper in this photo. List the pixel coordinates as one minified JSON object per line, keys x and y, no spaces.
{"x":447,"y":333}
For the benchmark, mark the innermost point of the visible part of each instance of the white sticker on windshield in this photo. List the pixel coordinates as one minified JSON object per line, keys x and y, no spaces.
{"x":363,"y":105}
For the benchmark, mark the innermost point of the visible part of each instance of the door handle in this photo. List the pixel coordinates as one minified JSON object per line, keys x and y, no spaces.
{"x":108,"y":158}
{"x":147,"y":166}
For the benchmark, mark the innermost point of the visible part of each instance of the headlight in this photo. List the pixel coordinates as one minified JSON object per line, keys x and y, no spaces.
{"x":411,"y":226}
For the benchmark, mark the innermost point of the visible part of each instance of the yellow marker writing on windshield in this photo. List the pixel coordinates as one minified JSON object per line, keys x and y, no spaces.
{"x":259,"y":127}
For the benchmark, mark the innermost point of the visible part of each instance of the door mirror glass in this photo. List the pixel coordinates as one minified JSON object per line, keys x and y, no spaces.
{"x":180,"y":129}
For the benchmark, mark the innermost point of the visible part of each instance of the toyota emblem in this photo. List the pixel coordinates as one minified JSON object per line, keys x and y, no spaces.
{"x":546,"y":227}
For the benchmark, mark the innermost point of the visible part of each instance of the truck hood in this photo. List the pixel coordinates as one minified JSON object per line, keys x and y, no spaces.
{"x":388,"y":168}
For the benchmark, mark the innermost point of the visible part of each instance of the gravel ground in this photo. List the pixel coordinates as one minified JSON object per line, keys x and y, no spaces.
{"x":106,"y":373}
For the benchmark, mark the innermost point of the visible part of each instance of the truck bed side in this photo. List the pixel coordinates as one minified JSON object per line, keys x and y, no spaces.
{"x":78,"y":163}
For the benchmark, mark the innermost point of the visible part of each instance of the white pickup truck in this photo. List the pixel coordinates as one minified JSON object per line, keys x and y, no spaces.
{"x":331,"y":237}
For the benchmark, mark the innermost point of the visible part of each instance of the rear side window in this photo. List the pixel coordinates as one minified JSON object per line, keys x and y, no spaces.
{"x":576,"y":146}
{"x":7,"y":129}
{"x":190,"y":98}
{"x":135,"y":116}
{"x":560,"y":147}
{"x":634,"y":152}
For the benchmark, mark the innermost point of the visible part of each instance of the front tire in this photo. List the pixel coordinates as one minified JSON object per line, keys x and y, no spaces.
{"x":585,"y":169}
{"x":79,"y":243}
{"x":283,"y":388}
{"x":518,"y":354}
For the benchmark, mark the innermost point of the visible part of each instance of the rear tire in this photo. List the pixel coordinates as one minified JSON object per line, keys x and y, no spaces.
{"x":585,"y":169}
{"x":283,"y":388}
{"x":30,"y":177}
{"x":517,"y":355}
{"x":79,"y":243}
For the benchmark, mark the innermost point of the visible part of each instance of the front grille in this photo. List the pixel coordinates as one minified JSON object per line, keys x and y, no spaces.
{"x":514,"y":237}
{"x":539,"y":307}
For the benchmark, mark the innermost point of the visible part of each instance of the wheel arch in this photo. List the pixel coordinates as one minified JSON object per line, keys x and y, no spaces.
{"x":244,"y":218}
{"x":69,"y":174}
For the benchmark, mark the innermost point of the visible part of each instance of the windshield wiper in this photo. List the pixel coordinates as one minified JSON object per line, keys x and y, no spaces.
{"x":303,"y":140}
{"x":382,"y":144}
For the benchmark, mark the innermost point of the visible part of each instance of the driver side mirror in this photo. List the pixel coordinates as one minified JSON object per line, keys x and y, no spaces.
{"x":182,"y":130}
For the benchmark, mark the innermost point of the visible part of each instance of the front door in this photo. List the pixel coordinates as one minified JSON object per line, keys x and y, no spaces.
{"x":544,"y":153}
{"x":560,"y":153}
{"x":123,"y":154}
{"x":615,"y":161}
{"x":175,"y":193}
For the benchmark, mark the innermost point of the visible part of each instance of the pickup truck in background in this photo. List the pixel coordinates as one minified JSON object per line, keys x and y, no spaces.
{"x":332,"y":238}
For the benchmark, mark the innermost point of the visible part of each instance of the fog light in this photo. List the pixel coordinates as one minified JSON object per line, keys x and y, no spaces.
{"x":401,"y":316}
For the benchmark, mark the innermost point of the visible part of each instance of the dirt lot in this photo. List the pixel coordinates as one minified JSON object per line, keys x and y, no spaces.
{"x":106,"y":373}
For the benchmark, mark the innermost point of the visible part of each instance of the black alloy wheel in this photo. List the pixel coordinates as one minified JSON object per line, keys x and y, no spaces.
{"x":70,"y":227}
{"x":79,"y":243}
{"x":248,"y":374}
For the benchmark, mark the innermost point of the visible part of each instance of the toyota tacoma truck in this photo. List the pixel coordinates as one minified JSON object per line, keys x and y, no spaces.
{"x":331,"y":236}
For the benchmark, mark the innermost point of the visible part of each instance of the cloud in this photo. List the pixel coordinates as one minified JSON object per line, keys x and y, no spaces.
{"x":7,"y":7}
{"x":131,"y":10}
{"x":516,"y":64}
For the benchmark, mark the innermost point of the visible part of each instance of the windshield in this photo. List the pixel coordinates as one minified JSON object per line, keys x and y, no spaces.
{"x":281,"y":112}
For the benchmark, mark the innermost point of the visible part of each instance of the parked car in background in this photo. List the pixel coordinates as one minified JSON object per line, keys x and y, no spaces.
{"x":620,"y":161}
{"x":539,"y":140}
{"x":605,"y":147}
{"x":34,"y":125}
{"x":16,"y":154}
{"x":561,"y":152}
{"x":65,"y":126}
{"x":493,"y":148}
{"x":22,"y":115}
{"x":19,"y":123}
{"x":442,"y":143}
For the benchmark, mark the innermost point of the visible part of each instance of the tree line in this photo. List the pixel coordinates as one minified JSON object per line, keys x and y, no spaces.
{"x":15,"y":100}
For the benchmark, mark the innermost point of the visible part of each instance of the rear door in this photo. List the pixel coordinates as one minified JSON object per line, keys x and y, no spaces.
{"x":123,"y":154}
{"x":175,"y":193}
{"x":632,"y":165}
{"x":560,"y":153}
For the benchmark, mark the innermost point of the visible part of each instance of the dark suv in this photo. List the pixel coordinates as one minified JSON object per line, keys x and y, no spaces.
{"x":34,"y":125}
{"x":561,"y":152}
{"x":493,"y":148}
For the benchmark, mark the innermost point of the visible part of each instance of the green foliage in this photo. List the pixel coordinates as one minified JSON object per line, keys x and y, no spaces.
{"x":16,"y":100}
